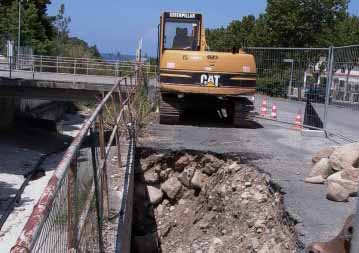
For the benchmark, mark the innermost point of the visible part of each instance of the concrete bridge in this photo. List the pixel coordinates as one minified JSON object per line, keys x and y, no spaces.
{"x":48,"y":78}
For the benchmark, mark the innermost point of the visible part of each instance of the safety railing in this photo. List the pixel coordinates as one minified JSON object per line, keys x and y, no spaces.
{"x":70,"y":213}
{"x":10,"y":66}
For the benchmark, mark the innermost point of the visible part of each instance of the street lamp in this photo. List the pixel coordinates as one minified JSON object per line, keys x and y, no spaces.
{"x":291,"y":73}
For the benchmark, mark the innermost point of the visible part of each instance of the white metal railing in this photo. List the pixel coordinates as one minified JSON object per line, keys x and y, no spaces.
{"x":73,"y":66}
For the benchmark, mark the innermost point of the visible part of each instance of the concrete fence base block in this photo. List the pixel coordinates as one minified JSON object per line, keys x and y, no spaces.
{"x":313,"y":133}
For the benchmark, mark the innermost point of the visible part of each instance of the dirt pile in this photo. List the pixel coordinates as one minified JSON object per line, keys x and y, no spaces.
{"x":206,"y":203}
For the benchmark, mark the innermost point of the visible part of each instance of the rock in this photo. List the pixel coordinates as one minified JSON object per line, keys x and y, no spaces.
{"x":186,"y":176}
{"x":211,"y":159}
{"x":315,"y":180}
{"x":323,"y":153}
{"x":265,"y":249}
{"x":209,"y":170}
{"x":344,"y":157}
{"x":150,"y":161}
{"x":336,"y":192}
{"x":321,"y":168}
{"x":198,"y":179}
{"x":216,"y":242}
{"x":171,"y":187}
{"x":151,"y":178}
{"x":348,"y":179}
{"x":155,"y":195}
{"x":255,"y":243}
{"x":182,"y":162}
{"x":247,"y":184}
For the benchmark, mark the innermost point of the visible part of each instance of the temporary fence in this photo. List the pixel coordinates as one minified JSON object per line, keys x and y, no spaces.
{"x":74,"y":206}
{"x":319,"y":84}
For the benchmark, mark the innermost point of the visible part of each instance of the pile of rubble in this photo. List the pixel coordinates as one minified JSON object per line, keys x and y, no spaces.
{"x":196,"y":202}
{"x":338,"y":168}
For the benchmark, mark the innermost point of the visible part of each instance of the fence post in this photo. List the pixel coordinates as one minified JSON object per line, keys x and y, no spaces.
{"x":97,"y":193}
{"x":355,"y":240}
{"x":102,"y":135}
{"x":40,"y":63}
{"x":33,"y":67}
{"x":71,"y":204}
{"x":57,"y":64}
{"x":10,"y":67}
{"x":329,"y":85}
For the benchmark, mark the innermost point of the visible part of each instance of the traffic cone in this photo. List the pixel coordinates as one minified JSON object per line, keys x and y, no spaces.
{"x":274,"y":112}
{"x":298,"y":121}
{"x":264,"y":107}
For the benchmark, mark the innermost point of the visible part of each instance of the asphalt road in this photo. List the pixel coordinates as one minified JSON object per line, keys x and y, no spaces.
{"x":275,"y":149}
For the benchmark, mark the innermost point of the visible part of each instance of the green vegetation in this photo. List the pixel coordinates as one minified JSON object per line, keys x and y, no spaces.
{"x":290,"y":23}
{"x":45,"y":34}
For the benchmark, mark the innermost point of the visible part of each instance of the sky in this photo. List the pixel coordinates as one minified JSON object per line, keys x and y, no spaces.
{"x":117,"y":26}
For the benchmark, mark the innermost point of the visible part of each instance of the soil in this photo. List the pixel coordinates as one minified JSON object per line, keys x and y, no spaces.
{"x":236,"y":208}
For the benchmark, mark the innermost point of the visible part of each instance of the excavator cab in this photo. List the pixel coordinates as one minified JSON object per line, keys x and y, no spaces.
{"x":192,"y":77}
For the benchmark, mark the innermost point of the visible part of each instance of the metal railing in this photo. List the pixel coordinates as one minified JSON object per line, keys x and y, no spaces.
{"x":34,"y":64}
{"x":70,"y":213}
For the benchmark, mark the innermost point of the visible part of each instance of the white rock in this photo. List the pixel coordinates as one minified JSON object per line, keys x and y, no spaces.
{"x":151,"y":178}
{"x":171,"y":187}
{"x":348,"y":179}
{"x":344,"y":157}
{"x":315,"y":180}
{"x":321,"y":168}
{"x":323,"y":153}
{"x":336,"y":192}
{"x":154,"y":194}
{"x":198,"y":179}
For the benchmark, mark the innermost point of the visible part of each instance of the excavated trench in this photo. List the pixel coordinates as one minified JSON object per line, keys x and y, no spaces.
{"x":191,"y":201}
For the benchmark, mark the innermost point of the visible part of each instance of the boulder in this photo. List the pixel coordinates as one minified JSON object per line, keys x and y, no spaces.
{"x":344,"y":157}
{"x":155,"y":195}
{"x":171,"y":187}
{"x":323,"y":153}
{"x":182,"y":162}
{"x":336,"y":192}
{"x":320,"y":171}
{"x":186,"y":176}
{"x":321,"y":168}
{"x":348,"y":179}
{"x":315,"y":180}
{"x":151,"y":178}
{"x":198,"y":179}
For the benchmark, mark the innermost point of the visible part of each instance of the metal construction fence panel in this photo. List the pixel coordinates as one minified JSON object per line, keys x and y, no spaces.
{"x":343,"y":104}
{"x":288,"y":78}
{"x":71,"y":213}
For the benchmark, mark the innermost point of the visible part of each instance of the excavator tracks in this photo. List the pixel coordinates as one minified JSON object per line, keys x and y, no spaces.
{"x":243,"y":113}
{"x":170,"y":110}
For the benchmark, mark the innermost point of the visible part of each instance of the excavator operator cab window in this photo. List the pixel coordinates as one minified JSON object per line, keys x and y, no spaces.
{"x":181,"y":34}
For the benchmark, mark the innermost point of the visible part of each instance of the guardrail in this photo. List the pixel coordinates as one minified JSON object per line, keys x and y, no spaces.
{"x":72,"y":66}
{"x":70,"y":213}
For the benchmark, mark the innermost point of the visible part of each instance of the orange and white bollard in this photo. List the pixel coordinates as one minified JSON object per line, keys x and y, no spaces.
{"x":264,"y":107}
{"x":298,"y":121}
{"x":274,"y":112}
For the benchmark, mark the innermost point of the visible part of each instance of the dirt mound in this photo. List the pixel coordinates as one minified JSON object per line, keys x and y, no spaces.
{"x":221,"y":206}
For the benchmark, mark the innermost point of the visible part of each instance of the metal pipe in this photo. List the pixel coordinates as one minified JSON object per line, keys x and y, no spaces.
{"x":329,"y":85}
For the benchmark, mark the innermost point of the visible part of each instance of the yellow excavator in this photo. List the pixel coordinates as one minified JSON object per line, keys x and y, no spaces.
{"x":192,"y":76}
